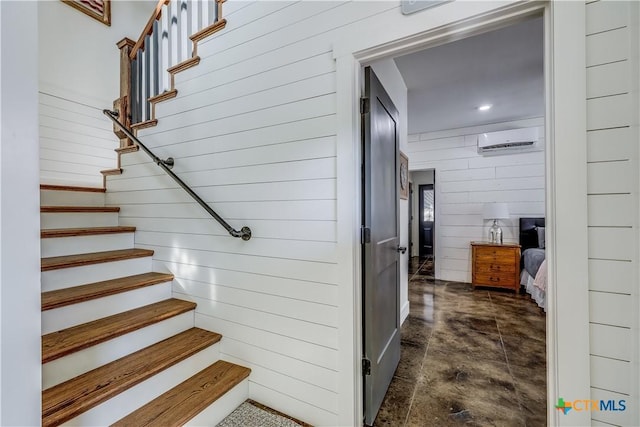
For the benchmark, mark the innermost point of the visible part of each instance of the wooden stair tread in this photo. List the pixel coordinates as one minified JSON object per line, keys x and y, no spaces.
{"x":61,"y":343}
{"x":72,"y":188}
{"x":67,"y":400}
{"x":78,"y":209}
{"x":76,"y":294}
{"x":183,"y":402}
{"x":84,"y":231}
{"x":66,"y":261}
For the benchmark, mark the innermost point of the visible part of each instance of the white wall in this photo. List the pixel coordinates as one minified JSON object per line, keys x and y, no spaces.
{"x":79,"y":74}
{"x":20,"y":360}
{"x":391,"y":79}
{"x":465,"y":180}
{"x":613,"y":178}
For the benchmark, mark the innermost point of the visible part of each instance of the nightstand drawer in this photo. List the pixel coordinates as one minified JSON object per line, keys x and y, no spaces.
{"x":494,"y":279}
{"x":494,"y":266}
{"x":493,"y":253}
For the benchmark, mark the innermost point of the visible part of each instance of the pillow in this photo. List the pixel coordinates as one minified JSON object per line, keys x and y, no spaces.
{"x":541,"y":241}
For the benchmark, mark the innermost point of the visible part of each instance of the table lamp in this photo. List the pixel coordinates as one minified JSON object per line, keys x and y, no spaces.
{"x":495,"y":211}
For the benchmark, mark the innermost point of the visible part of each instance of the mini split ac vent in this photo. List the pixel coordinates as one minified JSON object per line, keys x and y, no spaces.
{"x":507,"y":141}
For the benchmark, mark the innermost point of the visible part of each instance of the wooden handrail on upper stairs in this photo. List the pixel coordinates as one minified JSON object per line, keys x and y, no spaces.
{"x":143,"y":86}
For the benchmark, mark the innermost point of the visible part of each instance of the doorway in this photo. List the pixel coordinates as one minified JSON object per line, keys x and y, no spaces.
{"x":427,"y":221}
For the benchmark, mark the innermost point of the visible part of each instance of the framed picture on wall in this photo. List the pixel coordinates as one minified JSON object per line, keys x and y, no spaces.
{"x":404,"y":176}
{"x":97,"y":9}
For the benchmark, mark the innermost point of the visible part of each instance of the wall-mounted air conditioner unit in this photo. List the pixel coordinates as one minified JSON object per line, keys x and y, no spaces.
{"x":507,"y":141}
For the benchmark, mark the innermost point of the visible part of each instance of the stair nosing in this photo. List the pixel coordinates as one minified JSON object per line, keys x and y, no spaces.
{"x":54,"y":187}
{"x":49,"y":233}
{"x":218,"y":386}
{"x":68,"y":261}
{"x":60,"y":298}
{"x":79,"y":209}
{"x":52,"y":350}
{"x":111,"y":379}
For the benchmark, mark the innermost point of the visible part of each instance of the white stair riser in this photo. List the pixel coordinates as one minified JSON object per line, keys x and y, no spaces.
{"x":71,"y":198}
{"x":87,"y":311}
{"x":77,"y":219}
{"x":77,"y":363}
{"x":75,"y":276}
{"x":59,"y":246}
{"x":218,"y":410}
{"x":130,"y":400}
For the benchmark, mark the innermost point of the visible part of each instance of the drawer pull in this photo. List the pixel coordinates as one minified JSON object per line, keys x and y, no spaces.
{"x":495,"y":267}
{"x":494,"y":279}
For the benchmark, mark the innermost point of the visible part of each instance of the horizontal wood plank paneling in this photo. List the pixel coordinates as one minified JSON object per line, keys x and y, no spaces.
{"x":610,"y":374}
{"x":610,"y":144}
{"x":611,"y":243}
{"x":306,"y":311}
{"x":466,"y":180}
{"x":76,"y":142}
{"x":606,"y":15}
{"x":610,"y":309}
{"x":608,"y":79}
{"x":610,"y":177}
{"x":320,"y":293}
{"x":266,"y":265}
{"x":608,"y":112}
{"x":313,"y":333}
{"x":610,"y":210}
{"x":277,"y":343}
{"x":607,"y":47}
{"x":612,"y":174}
{"x":323,"y":252}
{"x":306,"y":372}
{"x":611,"y":276}
{"x":611,"y":341}
{"x":321,"y":231}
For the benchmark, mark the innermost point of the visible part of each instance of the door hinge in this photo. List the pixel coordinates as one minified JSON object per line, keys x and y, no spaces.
{"x":366,"y":366}
{"x":364,"y":105}
{"x":365,"y":235}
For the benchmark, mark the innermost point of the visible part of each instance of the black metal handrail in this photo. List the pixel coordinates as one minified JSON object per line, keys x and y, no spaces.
{"x":244,"y":233}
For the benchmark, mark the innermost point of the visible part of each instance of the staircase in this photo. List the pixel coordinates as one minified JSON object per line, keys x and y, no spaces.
{"x":116,"y":348}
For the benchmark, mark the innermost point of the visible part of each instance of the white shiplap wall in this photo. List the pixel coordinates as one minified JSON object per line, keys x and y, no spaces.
{"x":466,"y":180}
{"x":612,"y":167}
{"x":76,"y":142}
{"x":253,"y":131}
{"x":79,"y":76}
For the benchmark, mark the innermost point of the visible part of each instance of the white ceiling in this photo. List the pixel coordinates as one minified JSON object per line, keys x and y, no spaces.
{"x":503,"y":67}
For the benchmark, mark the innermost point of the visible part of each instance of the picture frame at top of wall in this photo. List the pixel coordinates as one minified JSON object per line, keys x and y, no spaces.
{"x":403,"y":177}
{"x":99,"y":10}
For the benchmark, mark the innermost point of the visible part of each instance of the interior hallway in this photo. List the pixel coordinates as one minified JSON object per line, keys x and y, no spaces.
{"x":474,"y":358}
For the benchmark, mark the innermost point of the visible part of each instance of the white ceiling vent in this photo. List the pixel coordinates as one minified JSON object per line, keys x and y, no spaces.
{"x":507,"y":141}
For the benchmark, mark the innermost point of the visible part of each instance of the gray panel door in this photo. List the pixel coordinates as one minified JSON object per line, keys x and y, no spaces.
{"x":381,"y":291}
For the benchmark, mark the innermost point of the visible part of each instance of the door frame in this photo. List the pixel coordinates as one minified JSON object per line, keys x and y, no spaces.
{"x":420,"y":221}
{"x":568,"y":363}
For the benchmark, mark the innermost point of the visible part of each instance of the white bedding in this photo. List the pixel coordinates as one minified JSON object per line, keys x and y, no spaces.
{"x":537,"y":289}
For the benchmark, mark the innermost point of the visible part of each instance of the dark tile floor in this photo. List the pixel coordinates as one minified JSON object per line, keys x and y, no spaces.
{"x":469,"y":357}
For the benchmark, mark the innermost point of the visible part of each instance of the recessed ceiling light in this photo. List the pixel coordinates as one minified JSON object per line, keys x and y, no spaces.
{"x":484,"y":107}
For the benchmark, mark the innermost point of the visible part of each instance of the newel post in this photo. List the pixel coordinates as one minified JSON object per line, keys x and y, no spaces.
{"x":123,"y":104}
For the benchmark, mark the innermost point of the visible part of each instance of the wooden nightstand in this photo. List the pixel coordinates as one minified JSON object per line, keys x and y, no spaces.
{"x":496,"y":265}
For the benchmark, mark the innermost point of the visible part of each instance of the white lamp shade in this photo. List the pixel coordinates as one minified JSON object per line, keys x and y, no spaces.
{"x":495,"y":211}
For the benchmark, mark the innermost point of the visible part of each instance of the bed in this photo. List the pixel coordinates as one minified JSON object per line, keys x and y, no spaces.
{"x":533,"y":266}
